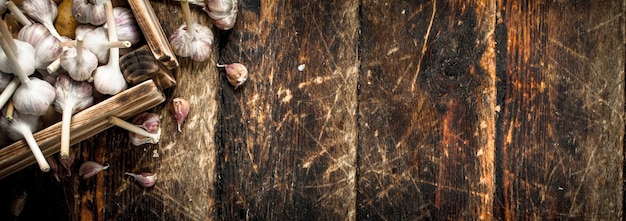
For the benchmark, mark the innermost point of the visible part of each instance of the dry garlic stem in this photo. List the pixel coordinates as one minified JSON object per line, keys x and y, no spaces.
{"x":152,"y":137}
{"x":23,"y":126}
{"x":71,"y":97}
{"x":9,"y":90}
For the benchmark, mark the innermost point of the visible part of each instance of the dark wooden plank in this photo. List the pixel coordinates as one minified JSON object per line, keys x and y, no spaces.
{"x":426,"y":110}
{"x":288,"y":136}
{"x":563,"y":105}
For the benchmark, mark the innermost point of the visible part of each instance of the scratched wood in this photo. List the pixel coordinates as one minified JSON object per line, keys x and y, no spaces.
{"x":288,"y":137}
{"x":563,"y":105}
{"x":426,"y":110}
{"x":404,"y":110}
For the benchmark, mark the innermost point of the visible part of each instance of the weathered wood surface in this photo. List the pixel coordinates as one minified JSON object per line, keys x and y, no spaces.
{"x":405,"y":110}
{"x":289,"y":137}
{"x":426,"y":110}
{"x":561,"y":138}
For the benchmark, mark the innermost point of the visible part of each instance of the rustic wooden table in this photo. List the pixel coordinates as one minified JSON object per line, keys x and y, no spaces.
{"x":404,"y":110}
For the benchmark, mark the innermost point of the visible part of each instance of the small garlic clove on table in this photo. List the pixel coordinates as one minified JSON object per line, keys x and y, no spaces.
{"x":236,"y":73}
{"x":91,"y":168}
{"x":180,"y":110}
{"x":144,"y":179}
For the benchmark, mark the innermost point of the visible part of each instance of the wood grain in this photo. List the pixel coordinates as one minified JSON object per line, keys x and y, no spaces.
{"x":426,"y":110}
{"x":563,"y":107}
{"x":84,"y":124}
{"x":288,"y":137}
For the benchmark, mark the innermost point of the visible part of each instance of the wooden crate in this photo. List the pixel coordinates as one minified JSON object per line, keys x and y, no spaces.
{"x":149,"y":78}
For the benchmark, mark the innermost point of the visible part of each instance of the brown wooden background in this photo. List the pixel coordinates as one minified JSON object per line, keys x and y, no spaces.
{"x":405,"y":110}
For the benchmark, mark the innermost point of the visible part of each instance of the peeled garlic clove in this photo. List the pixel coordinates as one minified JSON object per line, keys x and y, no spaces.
{"x":90,"y":168}
{"x":236,"y":73}
{"x":180,"y":110}
{"x":144,"y":179}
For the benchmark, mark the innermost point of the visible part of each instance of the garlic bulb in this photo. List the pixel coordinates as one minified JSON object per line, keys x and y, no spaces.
{"x":98,"y":43}
{"x":89,"y":11}
{"x":78,"y":61}
{"x":180,"y":110}
{"x":71,"y":97}
{"x":144,"y":179}
{"x":43,"y":11}
{"x":23,"y":126}
{"x":83,"y":29}
{"x":236,"y":73}
{"x":127,"y":27}
{"x":192,"y":39}
{"x":108,"y":79}
{"x":34,"y":96}
{"x":223,"y":12}
{"x":25,"y":57}
{"x":91,"y":168}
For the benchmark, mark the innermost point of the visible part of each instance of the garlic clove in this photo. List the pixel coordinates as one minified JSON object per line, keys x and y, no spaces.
{"x":236,"y":73}
{"x":54,"y":167}
{"x":144,"y":179}
{"x":138,"y":133}
{"x":91,"y":168}
{"x":149,"y":122}
{"x":68,"y":162}
{"x":180,"y":110}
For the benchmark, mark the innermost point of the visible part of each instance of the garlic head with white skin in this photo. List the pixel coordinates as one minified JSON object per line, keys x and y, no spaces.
{"x":98,"y":43}
{"x":108,"y":79}
{"x":127,"y":27}
{"x":25,"y":56}
{"x":89,"y":11}
{"x":22,"y":126}
{"x":78,"y":61}
{"x":192,"y":39}
{"x":71,"y":97}
{"x":43,"y":11}
{"x":34,"y":97}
